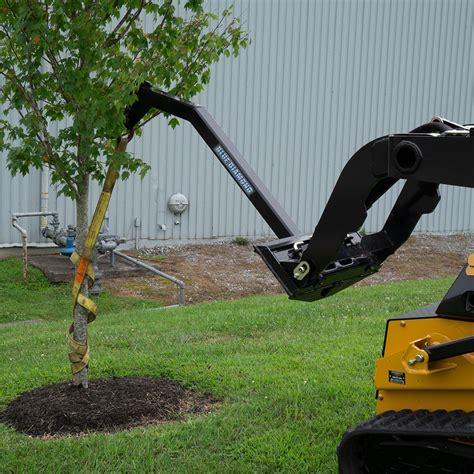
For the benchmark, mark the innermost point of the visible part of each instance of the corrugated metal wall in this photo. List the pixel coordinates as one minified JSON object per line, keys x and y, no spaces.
{"x":319,"y":80}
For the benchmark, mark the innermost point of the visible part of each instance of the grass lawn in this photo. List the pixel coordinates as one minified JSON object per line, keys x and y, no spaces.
{"x":292,"y":376}
{"x":40,"y":300}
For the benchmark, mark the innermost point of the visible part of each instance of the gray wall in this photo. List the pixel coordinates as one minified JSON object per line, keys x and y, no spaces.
{"x":319,"y":80}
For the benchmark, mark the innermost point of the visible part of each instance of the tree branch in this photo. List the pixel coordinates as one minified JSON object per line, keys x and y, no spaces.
{"x":10,"y":44}
{"x":113,"y":38}
{"x":55,"y":66}
{"x":52,"y":163}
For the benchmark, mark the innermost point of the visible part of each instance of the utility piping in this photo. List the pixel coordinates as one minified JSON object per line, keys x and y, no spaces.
{"x":24,"y":233}
{"x":180,"y":284}
{"x":44,"y":196}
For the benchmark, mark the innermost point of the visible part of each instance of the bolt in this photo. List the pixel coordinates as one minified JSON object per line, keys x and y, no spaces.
{"x":301,"y":270}
{"x":403,"y":324}
{"x":418,"y":358}
{"x":380,"y":397}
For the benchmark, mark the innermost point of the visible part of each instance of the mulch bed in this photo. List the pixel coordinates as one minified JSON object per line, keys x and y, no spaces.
{"x":109,"y":404}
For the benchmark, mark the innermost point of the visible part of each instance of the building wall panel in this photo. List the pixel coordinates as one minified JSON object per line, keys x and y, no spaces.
{"x":320,"y":79}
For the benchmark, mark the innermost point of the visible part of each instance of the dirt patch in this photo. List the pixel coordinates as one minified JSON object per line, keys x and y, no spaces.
{"x":426,"y":256}
{"x":225,"y":270}
{"x":109,"y":404}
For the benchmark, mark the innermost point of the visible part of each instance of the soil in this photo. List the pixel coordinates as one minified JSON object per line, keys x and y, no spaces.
{"x":109,"y":404}
{"x":226,"y":270}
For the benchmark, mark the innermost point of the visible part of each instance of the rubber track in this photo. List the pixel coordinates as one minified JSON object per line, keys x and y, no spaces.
{"x":420,"y":427}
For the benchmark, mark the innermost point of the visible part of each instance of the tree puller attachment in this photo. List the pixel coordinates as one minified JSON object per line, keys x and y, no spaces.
{"x":425,"y":377}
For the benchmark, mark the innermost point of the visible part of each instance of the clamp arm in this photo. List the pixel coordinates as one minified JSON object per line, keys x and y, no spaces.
{"x":336,"y":255}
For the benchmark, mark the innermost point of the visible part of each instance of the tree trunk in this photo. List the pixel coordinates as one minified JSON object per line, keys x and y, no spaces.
{"x":80,"y":314}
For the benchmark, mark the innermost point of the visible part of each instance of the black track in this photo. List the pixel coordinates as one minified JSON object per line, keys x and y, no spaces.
{"x":408,"y":442}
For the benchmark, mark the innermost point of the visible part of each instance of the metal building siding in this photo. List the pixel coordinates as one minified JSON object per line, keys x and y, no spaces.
{"x":17,"y":194}
{"x":320,"y":79}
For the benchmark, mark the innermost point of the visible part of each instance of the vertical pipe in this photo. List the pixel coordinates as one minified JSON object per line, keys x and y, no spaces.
{"x":44,"y":177}
{"x":44,"y":196}
{"x":138,"y":224}
{"x":181,"y":298}
{"x":25,"y":257}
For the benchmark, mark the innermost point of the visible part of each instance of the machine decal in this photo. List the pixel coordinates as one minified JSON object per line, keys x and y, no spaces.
{"x":226,"y":160}
{"x":396,"y":377}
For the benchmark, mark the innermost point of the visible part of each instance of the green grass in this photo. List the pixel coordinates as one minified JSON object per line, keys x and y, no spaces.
{"x":153,"y":258}
{"x":241,"y":241}
{"x":293,"y":378}
{"x":39,"y":300}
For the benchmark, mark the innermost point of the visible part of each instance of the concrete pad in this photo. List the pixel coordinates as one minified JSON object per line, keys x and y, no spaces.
{"x":9,"y":252}
{"x":59,"y":269}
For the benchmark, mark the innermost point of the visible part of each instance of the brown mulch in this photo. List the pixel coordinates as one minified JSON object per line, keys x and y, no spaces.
{"x":109,"y":404}
{"x":225,"y":270}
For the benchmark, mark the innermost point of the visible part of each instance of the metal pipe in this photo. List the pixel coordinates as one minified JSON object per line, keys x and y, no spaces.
{"x":181,"y":296}
{"x":44,"y":196}
{"x":138,"y":225}
{"x":17,"y":215}
{"x":180,"y":284}
{"x":24,"y":233}
{"x":17,"y":226}
{"x":35,"y":214}
{"x":24,"y":244}
{"x":105,"y":245}
{"x":59,"y":238}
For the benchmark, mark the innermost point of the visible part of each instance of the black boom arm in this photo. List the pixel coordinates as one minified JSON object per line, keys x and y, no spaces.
{"x":252,"y":186}
{"x":336,"y":255}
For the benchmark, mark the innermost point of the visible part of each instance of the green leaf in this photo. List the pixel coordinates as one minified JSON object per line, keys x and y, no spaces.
{"x":68,"y":69}
{"x":173,"y":122}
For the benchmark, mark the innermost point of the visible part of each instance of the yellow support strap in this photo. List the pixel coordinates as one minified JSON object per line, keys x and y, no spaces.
{"x":79,"y":355}
{"x":470,"y":265}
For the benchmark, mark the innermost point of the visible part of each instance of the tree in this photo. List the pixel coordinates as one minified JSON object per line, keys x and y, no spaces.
{"x":77,"y":64}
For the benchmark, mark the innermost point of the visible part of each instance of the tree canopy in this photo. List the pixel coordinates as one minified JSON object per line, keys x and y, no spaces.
{"x":73,"y":66}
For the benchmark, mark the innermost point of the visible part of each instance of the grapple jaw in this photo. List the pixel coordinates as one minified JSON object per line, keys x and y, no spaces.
{"x":354,"y":262}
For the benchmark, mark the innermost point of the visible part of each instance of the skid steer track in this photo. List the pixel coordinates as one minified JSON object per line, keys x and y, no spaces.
{"x":410,"y":442}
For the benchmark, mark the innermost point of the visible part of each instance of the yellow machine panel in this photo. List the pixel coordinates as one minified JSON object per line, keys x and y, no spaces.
{"x":406,"y":379}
